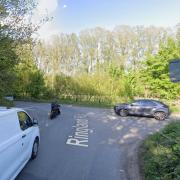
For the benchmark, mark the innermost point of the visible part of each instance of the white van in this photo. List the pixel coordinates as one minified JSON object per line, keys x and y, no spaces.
{"x":19,"y":141}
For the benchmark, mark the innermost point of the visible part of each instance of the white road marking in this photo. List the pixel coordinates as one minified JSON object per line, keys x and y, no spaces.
{"x":80,"y":137}
{"x":121,"y":170}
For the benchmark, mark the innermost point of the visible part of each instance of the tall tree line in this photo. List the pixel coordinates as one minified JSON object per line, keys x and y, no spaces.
{"x":110,"y":64}
{"x":94,"y":64}
{"x":125,"y":46}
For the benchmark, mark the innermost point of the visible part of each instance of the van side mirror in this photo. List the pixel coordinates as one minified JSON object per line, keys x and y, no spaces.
{"x":174,"y":69}
{"x":35,"y":121}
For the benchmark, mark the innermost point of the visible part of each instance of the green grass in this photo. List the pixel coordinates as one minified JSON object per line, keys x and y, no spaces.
{"x":174,"y":105}
{"x":175,"y":109}
{"x":160,"y":154}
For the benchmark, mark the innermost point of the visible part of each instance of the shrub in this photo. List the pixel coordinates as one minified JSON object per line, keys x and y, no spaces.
{"x":160,"y":154}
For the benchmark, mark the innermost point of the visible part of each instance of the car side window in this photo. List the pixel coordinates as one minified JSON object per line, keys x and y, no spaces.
{"x":144,"y":103}
{"x":137,"y":103}
{"x":148,"y":103}
{"x":24,"y":120}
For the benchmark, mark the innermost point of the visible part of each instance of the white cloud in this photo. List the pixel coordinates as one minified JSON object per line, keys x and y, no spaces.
{"x":47,"y":5}
{"x":43,"y":9}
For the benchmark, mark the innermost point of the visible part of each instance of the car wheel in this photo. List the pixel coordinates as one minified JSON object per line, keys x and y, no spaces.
{"x":160,"y":116}
{"x":35,"y":149}
{"x":123,"y":112}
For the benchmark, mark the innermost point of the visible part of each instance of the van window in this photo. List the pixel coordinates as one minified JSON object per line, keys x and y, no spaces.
{"x":24,"y":120}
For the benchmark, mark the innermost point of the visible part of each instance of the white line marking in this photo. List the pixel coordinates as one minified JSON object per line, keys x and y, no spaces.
{"x":80,"y":137}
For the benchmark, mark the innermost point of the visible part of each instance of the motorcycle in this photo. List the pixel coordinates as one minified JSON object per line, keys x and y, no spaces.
{"x":55,"y":112}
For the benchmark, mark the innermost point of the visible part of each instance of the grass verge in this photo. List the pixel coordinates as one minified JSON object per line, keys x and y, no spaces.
{"x":175,"y":109}
{"x":160,"y":154}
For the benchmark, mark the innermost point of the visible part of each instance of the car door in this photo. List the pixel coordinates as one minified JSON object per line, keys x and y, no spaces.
{"x":135,"y":108}
{"x":147,"y":107}
{"x":26,"y":127}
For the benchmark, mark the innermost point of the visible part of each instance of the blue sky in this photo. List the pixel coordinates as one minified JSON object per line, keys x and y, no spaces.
{"x":76,"y":15}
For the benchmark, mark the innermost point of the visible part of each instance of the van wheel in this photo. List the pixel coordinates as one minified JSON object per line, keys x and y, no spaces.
{"x":160,"y":116}
{"x":35,"y":149}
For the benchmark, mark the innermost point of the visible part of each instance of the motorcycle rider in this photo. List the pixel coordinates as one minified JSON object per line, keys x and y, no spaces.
{"x":55,"y":107}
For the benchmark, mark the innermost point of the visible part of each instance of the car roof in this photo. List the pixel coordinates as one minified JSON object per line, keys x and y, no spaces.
{"x":150,"y":100}
{"x":5,"y":110}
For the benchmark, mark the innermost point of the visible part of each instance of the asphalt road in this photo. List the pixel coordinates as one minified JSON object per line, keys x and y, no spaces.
{"x":86,"y":144}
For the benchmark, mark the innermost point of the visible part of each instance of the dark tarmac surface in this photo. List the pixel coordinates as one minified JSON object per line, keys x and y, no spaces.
{"x":107,"y":150}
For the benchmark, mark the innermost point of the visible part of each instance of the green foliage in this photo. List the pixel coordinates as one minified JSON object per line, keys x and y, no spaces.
{"x":36,"y":84}
{"x":110,"y":64}
{"x":14,"y":30}
{"x":8,"y":59}
{"x":156,"y":72}
{"x":160,"y":154}
{"x":30,"y":80}
{"x":13,"y":15}
{"x":99,"y":87}
{"x":115,"y":72}
{"x":65,"y":85}
{"x":97,"y":65}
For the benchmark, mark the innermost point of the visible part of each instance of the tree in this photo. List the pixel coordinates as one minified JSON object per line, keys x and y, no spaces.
{"x":16,"y":29}
{"x":102,"y":62}
{"x":8,"y":59}
{"x":36,"y":84}
{"x":15,"y":19}
{"x":156,"y":72}
{"x":29,"y":79}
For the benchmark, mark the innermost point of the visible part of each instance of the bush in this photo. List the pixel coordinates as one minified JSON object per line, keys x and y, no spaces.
{"x":160,"y":154}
